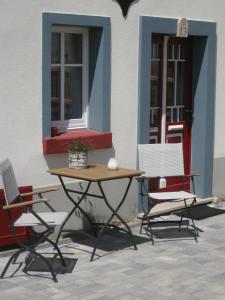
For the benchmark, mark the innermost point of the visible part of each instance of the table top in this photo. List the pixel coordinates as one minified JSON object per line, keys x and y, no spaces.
{"x":97,"y":172}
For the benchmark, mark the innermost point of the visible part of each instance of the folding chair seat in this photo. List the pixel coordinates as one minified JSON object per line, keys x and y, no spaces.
{"x":52,"y":219}
{"x":46,"y":221}
{"x":163,"y":161}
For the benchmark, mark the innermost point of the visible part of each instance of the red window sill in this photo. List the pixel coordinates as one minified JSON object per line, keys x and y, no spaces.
{"x":57,"y":144}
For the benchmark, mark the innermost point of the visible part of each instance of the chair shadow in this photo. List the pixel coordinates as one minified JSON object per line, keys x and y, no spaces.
{"x":173,"y":234}
{"x":38,"y":265}
{"x":202,"y":212}
{"x":169,"y":230}
{"x":40,"y":268}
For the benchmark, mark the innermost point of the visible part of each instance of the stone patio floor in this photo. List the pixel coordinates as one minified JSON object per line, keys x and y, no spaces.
{"x":176,"y":267}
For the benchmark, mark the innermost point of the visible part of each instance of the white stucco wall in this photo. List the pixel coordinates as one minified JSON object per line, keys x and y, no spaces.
{"x":21,"y":81}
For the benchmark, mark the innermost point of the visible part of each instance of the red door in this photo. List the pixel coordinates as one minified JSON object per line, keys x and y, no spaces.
{"x":171,"y":97}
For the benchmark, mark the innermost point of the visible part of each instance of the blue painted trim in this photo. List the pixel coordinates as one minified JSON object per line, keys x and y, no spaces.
{"x":99,"y":112}
{"x":204,"y":96}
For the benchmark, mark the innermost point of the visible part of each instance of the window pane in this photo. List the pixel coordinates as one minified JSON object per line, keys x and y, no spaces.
{"x":73,"y":48}
{"x":156,"y":49}
{"x":182,"y":51}
{"x":55,"y":53}
{"x":155,"y":83}
{"x":168,"y":115}
{"x":170,"y":51}
{"x":73,"y":93}
{"x":180,"y":83}
{"x":170,"y":84}
{"x":181,"y":114}
{"x":55,"y":93}
{"x":176,"y":51}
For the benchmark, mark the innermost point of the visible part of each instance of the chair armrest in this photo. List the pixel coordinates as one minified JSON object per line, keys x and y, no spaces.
{"x":25,"y":203}
{"x":40,"y":191}
{"x":192,"y":175}
{"x":142,"y":178}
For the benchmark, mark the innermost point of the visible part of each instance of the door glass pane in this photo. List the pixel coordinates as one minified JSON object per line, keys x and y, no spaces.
{"x":55,"y":93}
{"x":169,"y":115}
{"x":181,"y":114}
{"x":73,"y":93}
{"x":156,"y":49}
{"x":155,"y":83}
{"x":55,"y":48}
{"x":73,"y":48}
{"x":170,"y":84}
{"x":176,"y":51}
{"x":170,"y":51}
{"x":182,"y":51}
{"x":180,"y":83}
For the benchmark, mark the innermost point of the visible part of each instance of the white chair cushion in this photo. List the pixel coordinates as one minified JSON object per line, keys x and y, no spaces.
{"x":180,"y":195}
{"x":51,"y":218}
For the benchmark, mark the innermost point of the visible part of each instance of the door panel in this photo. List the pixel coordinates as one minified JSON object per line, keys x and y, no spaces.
{"x":171,"y":97}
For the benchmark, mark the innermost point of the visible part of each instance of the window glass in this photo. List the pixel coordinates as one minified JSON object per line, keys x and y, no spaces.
{"x":170,"y":83}
{"x":155,"y":83}
{"x":182,"y":51}
{"x":73,"y":48}
{"x":55,"y":93}
{"x":180,"y":83}
{"x":69,"y":77}
{"x":55,"y":53}
{"x":156,"y":48}
{"x":170,"y":51}
{"x":73,"y":93}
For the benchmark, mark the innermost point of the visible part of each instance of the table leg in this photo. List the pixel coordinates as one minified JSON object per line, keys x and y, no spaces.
{"x":114,"y":213}
{"x":76,"y":206}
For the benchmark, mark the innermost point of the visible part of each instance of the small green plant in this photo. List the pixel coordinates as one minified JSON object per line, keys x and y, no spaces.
{"x":77,"y":145}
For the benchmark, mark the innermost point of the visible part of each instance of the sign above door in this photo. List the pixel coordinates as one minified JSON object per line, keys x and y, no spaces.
{"x":182,"y":27}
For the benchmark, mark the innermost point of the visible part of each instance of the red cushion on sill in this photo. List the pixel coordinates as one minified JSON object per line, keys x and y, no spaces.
{"x":57,"y":144}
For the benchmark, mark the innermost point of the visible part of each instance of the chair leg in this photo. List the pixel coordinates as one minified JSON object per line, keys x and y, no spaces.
{"x":193,"y":223}
{"x":149,"y":228}
{"x":189,"y":213}
{"x":12,"y":258}
{"x":55,"y":246}
{"x":180,"y":223}
{"x":142,"y":223}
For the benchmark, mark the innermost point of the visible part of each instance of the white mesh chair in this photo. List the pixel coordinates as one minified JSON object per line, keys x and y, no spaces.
{"x":47,"y":221}
{"x":162,"y":161}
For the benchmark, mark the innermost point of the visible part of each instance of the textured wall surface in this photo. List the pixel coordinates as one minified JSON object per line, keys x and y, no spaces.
{"x":21,"y":81}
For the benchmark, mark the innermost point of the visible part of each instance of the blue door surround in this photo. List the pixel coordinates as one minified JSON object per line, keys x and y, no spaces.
{"x":204,"y":70}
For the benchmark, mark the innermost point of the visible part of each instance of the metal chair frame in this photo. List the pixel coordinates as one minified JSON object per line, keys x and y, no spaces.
{"x":40,"y":237}
{"x":151,"y":202}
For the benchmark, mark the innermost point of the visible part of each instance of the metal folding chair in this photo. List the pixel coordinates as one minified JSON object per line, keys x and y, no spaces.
{"x":46,"y":221}
{"x":160,"y":161}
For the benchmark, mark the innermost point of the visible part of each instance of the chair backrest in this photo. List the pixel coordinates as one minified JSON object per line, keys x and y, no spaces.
{"x":9,"y":181}
{"x":161,"y":159}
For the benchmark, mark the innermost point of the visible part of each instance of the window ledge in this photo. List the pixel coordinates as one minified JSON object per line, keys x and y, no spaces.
{"x":57,"y":144}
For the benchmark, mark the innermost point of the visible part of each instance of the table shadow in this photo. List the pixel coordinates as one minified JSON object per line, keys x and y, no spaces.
{"x":111,"y":240}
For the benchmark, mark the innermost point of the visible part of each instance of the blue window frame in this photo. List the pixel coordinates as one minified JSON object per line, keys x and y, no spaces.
{"x":99,"y":68}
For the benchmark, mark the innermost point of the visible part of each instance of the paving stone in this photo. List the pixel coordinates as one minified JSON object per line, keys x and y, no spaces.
{"x":174,"y":268}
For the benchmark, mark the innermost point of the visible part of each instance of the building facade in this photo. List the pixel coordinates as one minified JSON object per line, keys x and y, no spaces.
{"x":83,"y":68}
